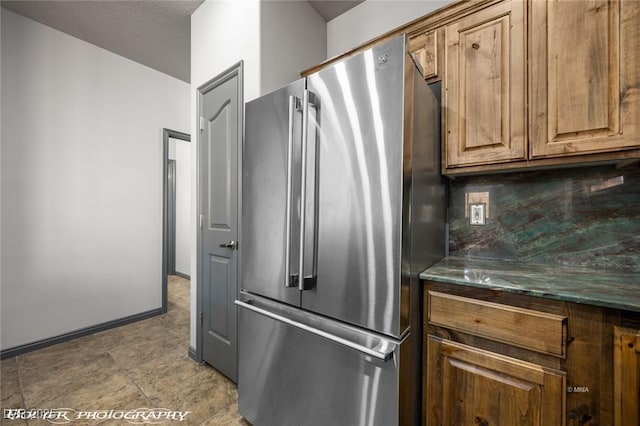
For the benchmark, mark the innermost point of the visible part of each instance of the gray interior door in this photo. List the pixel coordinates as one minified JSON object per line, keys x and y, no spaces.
{"x":220,"y":131}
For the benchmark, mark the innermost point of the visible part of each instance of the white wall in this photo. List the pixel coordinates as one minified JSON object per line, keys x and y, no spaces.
{"x":223,"y":33}
{"x":81,"y":182}
{"x":293,"y":37}
{"x":0,"y":172}
{"x":184,"y":207}
{"x":373,"y":18}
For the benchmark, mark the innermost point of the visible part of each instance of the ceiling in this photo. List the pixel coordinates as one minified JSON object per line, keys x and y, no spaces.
{"x":152,"y":32}
{"x":329,"y":9}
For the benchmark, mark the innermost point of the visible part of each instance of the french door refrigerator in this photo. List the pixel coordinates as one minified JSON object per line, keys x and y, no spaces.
{"x":343,"y":205}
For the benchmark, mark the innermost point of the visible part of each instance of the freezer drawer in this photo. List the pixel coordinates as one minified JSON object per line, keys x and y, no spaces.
{"x":301,"y":369}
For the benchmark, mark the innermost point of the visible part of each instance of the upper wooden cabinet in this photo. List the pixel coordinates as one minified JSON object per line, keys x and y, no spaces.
{"x":564,"y":90}
{"x":484,"y":86}
{"x":584,"y":73}
{"x":425,"y":50}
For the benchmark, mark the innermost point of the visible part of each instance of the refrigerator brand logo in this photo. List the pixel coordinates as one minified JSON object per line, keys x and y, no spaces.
{"x":382,"y":59}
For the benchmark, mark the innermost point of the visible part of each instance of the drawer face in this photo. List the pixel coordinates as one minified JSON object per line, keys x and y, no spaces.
{"x":534,"y":330}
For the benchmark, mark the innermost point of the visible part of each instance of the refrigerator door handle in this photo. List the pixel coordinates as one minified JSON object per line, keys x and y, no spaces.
{"x":303,"y":186}
{"x":387,"y":346}
{"x":294,"y":103}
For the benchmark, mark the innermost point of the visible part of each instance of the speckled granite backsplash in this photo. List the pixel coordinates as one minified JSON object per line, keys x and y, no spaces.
{"x":582,"y":217}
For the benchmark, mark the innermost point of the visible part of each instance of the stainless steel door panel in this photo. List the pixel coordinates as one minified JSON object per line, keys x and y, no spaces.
{"x":376,"y":345}
{"x":360,"y":104}
{"x":271,"y":189}
{"x":289,"y":376}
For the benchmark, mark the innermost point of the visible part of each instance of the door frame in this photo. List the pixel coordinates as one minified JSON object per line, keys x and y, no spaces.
{"x":171,"y":217}
{"x":235,"y":70}
{"x":166,"y":134}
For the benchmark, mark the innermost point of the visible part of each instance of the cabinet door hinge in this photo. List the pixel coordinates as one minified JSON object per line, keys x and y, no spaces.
{"x":201,"y":318}
{"x":201,"y":124}
{"x":201,"y":221}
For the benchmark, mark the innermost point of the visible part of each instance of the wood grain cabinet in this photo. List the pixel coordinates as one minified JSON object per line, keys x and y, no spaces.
{"x":424,"y":50}
{"x":484,"y":86}
{"x":584,"y":73}
{"x":470,"y":386}
{"x":497,"y":358}
{"x":541,"y":83}
{"x":466,"y":384}
{"x":626,"y":377}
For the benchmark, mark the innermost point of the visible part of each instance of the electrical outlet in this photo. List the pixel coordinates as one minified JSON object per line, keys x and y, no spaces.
{"x":476,"y":198}
{"x":476,"y":214}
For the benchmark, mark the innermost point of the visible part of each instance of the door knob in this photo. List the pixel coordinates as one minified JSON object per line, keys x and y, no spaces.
{"x":230,"y":245}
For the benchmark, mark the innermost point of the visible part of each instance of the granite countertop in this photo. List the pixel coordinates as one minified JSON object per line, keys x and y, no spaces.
{"x":609,"y":289}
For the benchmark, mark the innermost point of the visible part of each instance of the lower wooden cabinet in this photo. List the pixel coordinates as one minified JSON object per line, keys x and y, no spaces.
{"x":497,"y":358}
{"x":471,"y":386}
{"x":626,"y":359}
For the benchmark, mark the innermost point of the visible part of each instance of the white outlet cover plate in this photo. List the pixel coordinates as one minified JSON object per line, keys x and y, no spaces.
{"x":476,"y":214}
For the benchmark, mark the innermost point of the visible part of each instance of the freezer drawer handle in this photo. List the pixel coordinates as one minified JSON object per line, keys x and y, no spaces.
{"x":383,"y":355}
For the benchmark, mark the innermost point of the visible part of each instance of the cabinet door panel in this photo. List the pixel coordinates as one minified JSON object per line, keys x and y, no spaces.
{"x":626,"y":377}
{"x":584,"y":76}
{"x":466,"y":385}
{"x":484,"y":102}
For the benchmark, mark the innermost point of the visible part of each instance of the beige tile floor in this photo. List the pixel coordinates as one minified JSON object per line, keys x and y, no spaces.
{"x":140,"y":365}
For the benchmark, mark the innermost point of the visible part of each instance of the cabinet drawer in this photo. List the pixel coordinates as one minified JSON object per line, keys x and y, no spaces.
{"x":534,"y":330}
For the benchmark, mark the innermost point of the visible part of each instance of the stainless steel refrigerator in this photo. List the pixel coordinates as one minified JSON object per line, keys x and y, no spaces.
{"x":342,"y":206}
